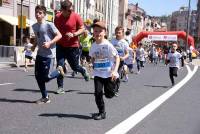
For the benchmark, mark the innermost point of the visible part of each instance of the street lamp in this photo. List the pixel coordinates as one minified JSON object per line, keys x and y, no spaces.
{"x":21,"y":25}
{"x":188,"y":26}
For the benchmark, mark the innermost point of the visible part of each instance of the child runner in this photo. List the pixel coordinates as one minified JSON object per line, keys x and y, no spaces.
{"x":140,"y":57}
{"x":173,"y":59}
{"x":46,"y":36}
{"x":85,"y":40}
{"x":105,"y":61}
{"x":28,"y":52}
{"x":121,"y":46}
{"x":128,"y":66}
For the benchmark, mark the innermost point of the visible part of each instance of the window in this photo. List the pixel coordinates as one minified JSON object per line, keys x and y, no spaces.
{"x":25,"y":10}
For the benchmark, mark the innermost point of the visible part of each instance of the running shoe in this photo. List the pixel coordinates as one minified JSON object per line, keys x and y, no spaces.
{"x":99,"y":116}
{"x":86,"y":75}
{"x":125,"y":79}
{"x":60,"y":91}
{"x":43,"y":100}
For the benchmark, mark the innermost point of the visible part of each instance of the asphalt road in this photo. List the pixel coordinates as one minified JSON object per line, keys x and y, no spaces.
{"x":71,"y":113}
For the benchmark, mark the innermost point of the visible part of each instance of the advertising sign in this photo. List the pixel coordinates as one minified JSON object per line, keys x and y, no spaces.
{"x":23,"y":22}
{"x":162,"y":37}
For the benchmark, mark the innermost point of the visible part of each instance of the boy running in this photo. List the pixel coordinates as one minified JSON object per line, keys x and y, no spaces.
{"x":121,"y":45}
{"x":105,"y":61}
{"x":46,"y":36}
{"x":173,"y":59}
{"x":140,"y":57}
{"x":128,"y":63}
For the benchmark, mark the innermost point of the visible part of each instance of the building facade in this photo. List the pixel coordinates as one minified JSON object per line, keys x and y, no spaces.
{"x":179,"y":20}
{"x":198,"y":20}
{"x":9,"y":12}
{"x":104,"y":10}
{"x":123,"y":13}
{"x":136,"y":19}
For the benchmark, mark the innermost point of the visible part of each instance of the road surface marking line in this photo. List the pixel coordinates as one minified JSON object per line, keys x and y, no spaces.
{"x":134,"y":119}
{"x":3,"y":84}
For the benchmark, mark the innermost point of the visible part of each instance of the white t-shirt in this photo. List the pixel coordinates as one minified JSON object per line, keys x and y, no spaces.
{"x":129,"y":60}
{"x":104,"y":58}
{"x":191,"y":49}
{"x":27,"y":48}
{"x":140,"y":54}
{"x":174,"y":59}
{"x":120,"y":45}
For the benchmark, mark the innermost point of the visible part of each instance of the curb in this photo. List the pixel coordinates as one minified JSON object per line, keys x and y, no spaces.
{"x":7,"y":64}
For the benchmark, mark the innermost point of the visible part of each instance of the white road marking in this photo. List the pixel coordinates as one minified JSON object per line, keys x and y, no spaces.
{"x":134,"y":119}
{"x":3,"y":84}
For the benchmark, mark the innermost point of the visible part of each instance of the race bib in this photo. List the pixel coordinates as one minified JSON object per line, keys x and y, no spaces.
{"x":102,"y":65}
{"x":85,"y":46}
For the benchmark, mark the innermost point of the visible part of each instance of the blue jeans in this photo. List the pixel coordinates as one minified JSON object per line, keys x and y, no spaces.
{"x":44,"y":72}
{"x":71,"y":54}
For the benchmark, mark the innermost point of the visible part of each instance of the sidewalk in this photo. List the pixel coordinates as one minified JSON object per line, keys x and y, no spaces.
{"x":6,"y":62}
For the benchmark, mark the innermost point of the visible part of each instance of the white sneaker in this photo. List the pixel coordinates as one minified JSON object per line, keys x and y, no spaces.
{"x":60,"y":91}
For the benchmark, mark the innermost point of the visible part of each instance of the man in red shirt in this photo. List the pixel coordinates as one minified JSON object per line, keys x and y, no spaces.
{"x":70,"y":26}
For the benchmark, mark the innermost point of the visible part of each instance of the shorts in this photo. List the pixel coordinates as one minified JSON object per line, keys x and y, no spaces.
{"x":130,"y":67}
{"x":28,"y":57}
{"x":85,"y":55}
{"x":173,"y":71}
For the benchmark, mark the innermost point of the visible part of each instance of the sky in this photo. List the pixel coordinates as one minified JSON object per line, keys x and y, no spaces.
{"x":163,"y":7}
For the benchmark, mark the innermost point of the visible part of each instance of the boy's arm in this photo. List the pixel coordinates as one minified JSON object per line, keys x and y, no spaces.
{"x":115,"y":70}
{"x":167,"y":60}
{"x":125,"y":56}
{"x":182,"y":61}
{"x":34,"y":45}
{"x":134,"y":56}
{"x":57,"y":37}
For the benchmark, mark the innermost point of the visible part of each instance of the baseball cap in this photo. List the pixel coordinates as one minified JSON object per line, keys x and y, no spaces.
{"x":99,"y":24}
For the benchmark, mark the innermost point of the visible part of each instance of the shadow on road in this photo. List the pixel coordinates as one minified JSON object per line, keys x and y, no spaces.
{"x":73,"y":77}
{"x":86,"y":93}
{"x":59,"y":115}
{"x":15,"y":101}
{"x":30,"y":90}
{"x":38,"y":91}
{"x":156,"y":86}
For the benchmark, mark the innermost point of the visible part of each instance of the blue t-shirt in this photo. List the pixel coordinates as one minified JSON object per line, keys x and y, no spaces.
{"x":45,"y":32}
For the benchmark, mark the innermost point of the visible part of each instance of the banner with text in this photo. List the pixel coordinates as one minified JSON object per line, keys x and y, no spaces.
{"x":162,"y":37}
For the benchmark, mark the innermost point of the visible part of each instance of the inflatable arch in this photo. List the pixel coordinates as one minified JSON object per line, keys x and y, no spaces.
{"x":180,"y":34}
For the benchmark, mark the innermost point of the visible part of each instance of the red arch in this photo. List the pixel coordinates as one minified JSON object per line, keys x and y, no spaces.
{"x":180,"y":34}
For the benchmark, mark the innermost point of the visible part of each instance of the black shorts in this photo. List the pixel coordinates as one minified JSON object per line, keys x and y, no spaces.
{"x":173,"y":71}
{"x":130,"y":66}
{"x":85,"y":55}
{"x":28,"y":57}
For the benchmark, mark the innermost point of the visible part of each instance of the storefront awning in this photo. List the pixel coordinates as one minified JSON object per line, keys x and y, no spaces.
{"x":14,"y":20}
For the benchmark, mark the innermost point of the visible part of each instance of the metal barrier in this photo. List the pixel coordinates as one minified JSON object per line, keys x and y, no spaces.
{"x":7,"y":51}
{"x":14,"y":55}
{"x":7,"y":54}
